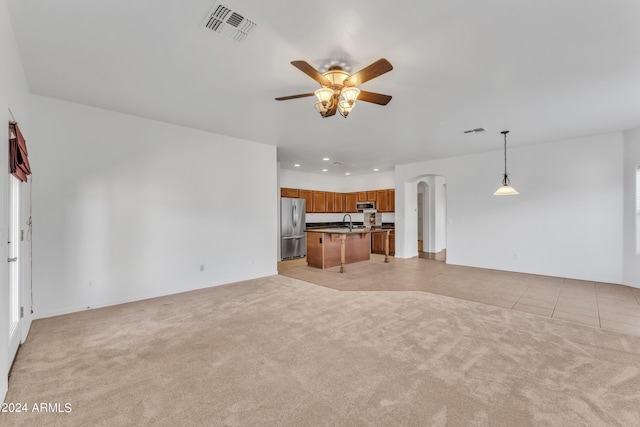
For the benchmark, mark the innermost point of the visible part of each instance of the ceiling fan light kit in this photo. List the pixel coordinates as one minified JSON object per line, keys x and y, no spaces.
{"x":339,"y":92}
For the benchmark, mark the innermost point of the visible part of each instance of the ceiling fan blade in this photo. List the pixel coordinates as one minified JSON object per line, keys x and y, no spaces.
{"x":376,"y":69}
{"x":375,"y":98}
{"x":302,"y":95}
{"x":311,"y":72}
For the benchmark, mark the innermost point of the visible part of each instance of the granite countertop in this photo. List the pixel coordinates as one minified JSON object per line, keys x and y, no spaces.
{"x":340,"y":230}
{"x":345,"y":230}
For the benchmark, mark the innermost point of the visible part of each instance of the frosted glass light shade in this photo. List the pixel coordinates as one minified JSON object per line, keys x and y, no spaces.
{"x":506,"y":190}
{"x":324,"y":95}
{"x":345,"y":108}
{"x":321,"y":108}
{"x":336,"y":76}
{"x":349,"y":95}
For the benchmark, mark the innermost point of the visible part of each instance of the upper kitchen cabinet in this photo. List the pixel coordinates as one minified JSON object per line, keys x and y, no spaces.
{"x":386,"y":200}
{"x":308,"y":196}
{"x":329,"y":202}
{"x":290,"y":192}
{"x":339,"y":203}
{"x":332,"y":202}
{"x":319,"y":202}
{"x":382,"y":200}
{"x":350,"y":200}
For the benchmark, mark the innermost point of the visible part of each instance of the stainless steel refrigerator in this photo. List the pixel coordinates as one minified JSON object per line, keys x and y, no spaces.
{"x":292,"y":225}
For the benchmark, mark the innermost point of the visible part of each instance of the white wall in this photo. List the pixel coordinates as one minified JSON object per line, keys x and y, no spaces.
{"x":126,"y":208}
{"x":631,"y":260}
{"x":566,"y":222}
{"x":13,"y":96}
{"x":310,"y":181}
{"x":340,"y":184}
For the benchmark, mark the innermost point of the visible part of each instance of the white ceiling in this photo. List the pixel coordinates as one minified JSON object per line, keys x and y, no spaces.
{"x":544,"y":69}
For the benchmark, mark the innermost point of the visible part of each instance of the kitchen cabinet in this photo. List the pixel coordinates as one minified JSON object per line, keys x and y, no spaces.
{"x":377,"y":242}
{"x":328,"y":248}
{"x":382,"y":200}
{"x":308,"y":196}
{"x":339,"y":206}
{"x":290,"y":192}
{"x":332,"y":202}
{"x":319,"y":202}
{"x":350,"y":200}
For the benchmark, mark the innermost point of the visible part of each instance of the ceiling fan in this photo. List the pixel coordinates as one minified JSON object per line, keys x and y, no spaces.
{"x":339,"y":92}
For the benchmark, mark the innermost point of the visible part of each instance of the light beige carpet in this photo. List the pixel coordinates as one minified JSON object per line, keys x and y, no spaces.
{"x":279,"y":351}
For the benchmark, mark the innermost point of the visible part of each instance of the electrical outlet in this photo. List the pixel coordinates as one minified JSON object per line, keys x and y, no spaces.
{"x":515,"y":256}
{"x":201,"y":267}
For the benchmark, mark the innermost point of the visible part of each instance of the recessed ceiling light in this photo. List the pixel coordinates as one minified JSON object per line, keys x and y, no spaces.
{"x":296,"y":165}
{"x":324,"y":170}
{"x":347,"y":173}
{"x":326,"y":159}
{"x":376,"y":170}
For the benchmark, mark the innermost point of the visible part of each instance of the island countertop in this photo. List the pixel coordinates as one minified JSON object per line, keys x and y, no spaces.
{"x":345,"y":230}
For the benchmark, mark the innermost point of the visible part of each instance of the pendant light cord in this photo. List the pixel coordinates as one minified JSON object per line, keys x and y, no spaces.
{"x":505,"y":180}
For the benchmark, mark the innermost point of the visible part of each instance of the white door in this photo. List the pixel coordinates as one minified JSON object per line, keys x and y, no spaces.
{"x":14,"y":267}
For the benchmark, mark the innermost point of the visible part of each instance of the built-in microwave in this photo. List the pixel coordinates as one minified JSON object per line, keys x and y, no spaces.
{"x":361,"y":206}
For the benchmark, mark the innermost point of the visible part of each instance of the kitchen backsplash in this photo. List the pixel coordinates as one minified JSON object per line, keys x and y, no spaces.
{"x":387,"y":217}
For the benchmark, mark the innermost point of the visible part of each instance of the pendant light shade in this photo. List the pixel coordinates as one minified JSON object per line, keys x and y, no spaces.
{"x":506,"y":189}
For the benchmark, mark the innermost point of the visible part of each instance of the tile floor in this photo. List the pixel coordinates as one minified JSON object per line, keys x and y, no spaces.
{"x":605,"y":305}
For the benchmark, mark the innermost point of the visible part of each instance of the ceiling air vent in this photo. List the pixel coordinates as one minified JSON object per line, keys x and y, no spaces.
{"x":223,"y":20}
{"x":476,"y":130}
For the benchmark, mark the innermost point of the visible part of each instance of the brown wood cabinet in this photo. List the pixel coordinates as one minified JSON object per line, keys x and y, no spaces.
{"x":329,"y":202}
{"x":308,"y":196}
{"x":291,"y":192}
{"x":339,"y":206}
{"x":319,"y":202}
{"x":382,"y":200}
{"x":350,"y":202}
{"x":332,"y":202}
{"x":377,"y":242}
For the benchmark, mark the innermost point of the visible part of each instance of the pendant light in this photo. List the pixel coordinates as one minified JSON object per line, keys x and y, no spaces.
{"x":505,"y":189}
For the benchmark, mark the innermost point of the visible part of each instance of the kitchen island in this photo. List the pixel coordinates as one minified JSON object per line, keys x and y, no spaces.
{"x":330,"y":247}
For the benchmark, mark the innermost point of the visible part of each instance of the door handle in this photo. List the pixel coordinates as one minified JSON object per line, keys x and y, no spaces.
{"x":12,"y":259}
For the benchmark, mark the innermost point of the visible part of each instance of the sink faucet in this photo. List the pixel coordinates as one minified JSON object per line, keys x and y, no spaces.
{"x":350,"y":222}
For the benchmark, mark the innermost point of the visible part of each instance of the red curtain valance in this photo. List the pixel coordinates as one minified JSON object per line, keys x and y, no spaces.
{"x":18,"y":155}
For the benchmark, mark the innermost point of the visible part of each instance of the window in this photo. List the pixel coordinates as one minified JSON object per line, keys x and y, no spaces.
{"x":638,"y":210}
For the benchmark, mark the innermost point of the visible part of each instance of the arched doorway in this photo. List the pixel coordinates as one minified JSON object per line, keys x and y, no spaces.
{"x":431,"y":217}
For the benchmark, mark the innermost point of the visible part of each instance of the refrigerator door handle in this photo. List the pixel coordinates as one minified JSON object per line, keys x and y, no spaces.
{"x":292,"y":237}
{"x":294,"y":214}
